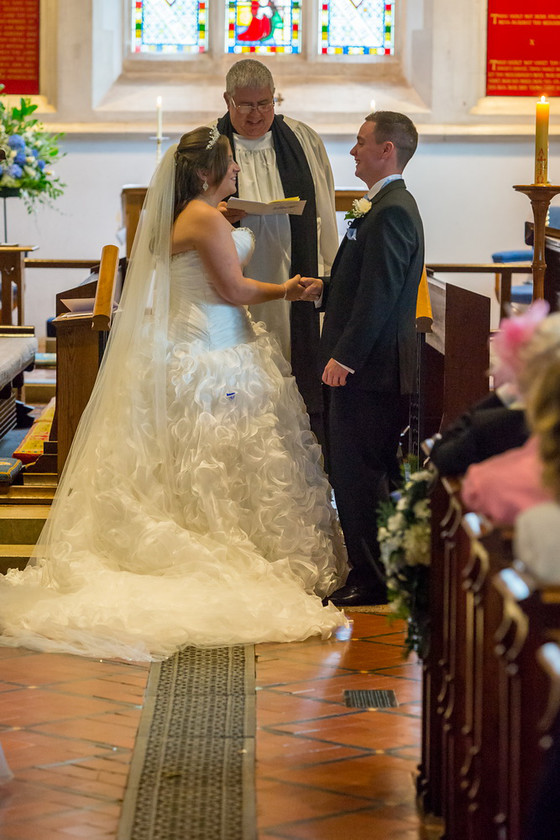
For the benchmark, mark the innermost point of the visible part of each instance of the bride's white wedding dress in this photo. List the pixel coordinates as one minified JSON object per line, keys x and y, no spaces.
{"x":241,"y":549}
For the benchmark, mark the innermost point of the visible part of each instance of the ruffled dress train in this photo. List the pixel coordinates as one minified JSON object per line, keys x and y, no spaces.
{"x":227,"y":537}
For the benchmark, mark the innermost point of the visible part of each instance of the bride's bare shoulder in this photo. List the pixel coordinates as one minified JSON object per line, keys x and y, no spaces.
{"x":196,"y":223}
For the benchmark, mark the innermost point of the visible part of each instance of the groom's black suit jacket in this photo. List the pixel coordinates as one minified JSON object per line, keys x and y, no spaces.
{"x":370,"y":299}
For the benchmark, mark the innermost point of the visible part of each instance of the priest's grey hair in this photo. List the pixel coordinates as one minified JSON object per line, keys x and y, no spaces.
{"x":248,"y":73}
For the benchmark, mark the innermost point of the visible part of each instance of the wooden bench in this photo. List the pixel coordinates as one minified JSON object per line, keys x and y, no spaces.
{"x":18,"y":346}
{"x":484,"y":693}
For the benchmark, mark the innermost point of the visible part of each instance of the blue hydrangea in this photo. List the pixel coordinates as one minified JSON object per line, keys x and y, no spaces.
{"x":16,"y":142}
{"x":20,"y":158}
{"x":16,"y":171}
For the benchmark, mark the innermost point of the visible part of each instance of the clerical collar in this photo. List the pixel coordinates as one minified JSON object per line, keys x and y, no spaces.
{"x":378,"y":186}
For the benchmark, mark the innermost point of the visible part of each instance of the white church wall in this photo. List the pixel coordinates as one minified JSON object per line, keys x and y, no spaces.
{"x":463,"y":188}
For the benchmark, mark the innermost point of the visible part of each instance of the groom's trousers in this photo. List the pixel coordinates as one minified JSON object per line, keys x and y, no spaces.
{"x":363,"y":431}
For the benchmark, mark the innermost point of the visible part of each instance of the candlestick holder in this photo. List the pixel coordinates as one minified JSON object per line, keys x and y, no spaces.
{"x":159,"y":140}
{"x":540,"y":196}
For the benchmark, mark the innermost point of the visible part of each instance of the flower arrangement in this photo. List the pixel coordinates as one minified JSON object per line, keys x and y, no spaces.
{"x":360,"y":206}
{"x":30,"y":153}
{"x":404,"y":541}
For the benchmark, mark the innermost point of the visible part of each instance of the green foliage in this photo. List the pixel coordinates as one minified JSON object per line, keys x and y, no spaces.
{"x":30,"y":155}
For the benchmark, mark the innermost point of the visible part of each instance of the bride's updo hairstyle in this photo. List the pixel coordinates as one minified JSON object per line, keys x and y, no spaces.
{"x":198,"y":151}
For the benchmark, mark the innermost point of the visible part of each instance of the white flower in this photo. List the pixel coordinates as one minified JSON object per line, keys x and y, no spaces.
{"x":360,"y":206}
{"x":417,"y":545}
{"x":396,"y":522}
{"x":421,"y":509}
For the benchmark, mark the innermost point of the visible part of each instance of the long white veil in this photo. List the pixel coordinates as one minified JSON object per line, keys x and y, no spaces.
{"x":119,"y":413}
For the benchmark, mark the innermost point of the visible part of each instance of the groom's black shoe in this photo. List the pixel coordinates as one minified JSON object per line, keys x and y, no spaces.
{"x":358,"y":596}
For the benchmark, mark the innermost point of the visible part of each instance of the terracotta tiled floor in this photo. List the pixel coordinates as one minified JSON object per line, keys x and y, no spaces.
{"x":67,"y":727}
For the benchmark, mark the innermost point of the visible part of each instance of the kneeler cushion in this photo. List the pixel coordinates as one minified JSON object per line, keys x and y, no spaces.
{"x":9,"y":468}
{"x":31,"y":446}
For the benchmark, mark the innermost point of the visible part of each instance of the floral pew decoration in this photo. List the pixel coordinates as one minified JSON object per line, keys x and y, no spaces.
{"x":404,"y":536}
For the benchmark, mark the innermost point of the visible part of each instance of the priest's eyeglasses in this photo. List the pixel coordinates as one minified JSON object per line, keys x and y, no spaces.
{"x":262,"y":107}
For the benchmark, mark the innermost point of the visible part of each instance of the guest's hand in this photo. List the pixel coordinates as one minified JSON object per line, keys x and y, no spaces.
{"x":313,"y":288}
{"x":231,"y":214}
{"x":334,"y":374}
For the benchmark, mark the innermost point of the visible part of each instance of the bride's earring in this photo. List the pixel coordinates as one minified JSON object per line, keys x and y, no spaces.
{"x":205,"y":185}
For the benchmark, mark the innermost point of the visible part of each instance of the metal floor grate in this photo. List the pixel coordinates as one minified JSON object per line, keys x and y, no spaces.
{"x":370,"y":699}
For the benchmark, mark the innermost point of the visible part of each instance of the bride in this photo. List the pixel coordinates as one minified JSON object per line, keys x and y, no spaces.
{"x":193,"y":508}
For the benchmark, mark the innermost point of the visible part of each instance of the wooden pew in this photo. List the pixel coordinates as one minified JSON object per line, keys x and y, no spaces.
{"x":446,"y":385}
{"x":81,"y":339}
{"x":490,"y":552}
{"x":484,"y":693}
{"x":529,"y":614}
{"x":544,"y":810}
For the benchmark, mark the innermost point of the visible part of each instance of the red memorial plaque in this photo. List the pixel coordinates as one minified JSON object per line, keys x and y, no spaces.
{"x":523,"y":57}
{"x":19,"y":46}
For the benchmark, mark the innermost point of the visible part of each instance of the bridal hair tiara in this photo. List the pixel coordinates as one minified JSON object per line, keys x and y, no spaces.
{"x":214,"y":135}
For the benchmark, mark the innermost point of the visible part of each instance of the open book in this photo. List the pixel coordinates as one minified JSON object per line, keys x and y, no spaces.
{"x":80,"y":307}
{"x":293,"y":206}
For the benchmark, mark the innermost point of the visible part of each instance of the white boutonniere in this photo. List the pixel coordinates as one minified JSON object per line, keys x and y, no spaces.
{"x":360,"y":206}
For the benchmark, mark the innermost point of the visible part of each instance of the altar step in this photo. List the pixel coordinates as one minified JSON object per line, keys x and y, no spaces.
{"x":37,"y":391}
{"x":14,"y":557}
{"x":29,"y":494}
{"x":20,"y":528}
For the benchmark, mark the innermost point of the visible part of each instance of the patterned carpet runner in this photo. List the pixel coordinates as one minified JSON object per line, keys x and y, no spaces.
{"x":192,"y":771}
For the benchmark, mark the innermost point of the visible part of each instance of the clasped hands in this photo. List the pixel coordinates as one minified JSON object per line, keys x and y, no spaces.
{"x":303,"y":288}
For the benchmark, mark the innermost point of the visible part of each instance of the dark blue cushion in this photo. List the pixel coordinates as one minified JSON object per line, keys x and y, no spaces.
{"x":512,"y":256}
{"x":522,"y":294}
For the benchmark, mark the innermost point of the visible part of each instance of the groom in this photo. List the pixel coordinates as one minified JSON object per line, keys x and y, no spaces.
{"x":368,"y":344}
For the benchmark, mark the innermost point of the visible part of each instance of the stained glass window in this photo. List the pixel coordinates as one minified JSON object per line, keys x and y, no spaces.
{"x":169,"y":26}
{"x":356,"y":27}
{"x":263,"y":26}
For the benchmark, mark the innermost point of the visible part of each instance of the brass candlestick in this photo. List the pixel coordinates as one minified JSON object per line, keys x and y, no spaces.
{"x":540,"y":196}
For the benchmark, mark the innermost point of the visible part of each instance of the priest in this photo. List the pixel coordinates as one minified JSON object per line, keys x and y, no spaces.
{"x":282,"y":158}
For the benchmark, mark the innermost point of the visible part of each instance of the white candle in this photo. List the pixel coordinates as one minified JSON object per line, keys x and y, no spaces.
{"x":159,"y":112}
{"x":541,"y":142}
{"x":372,"y":106}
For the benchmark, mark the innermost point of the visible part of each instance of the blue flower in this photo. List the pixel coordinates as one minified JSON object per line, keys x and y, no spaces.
{"x":16,"y":142}
{"x":20,"y":158}
{"x":41,"y":164}
{"x":16,"y":171}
